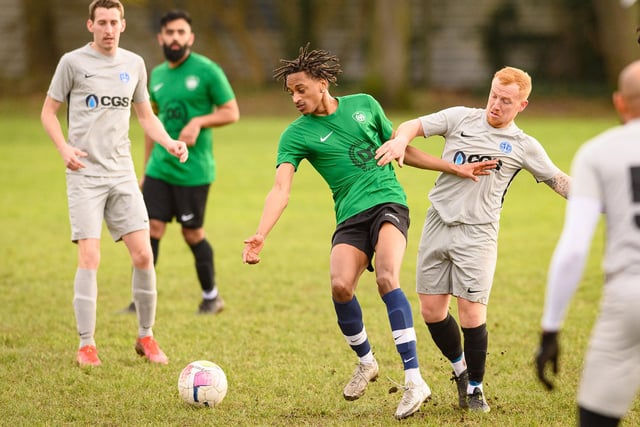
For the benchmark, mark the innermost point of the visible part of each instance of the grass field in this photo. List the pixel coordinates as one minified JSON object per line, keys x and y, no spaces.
{"x":277,"y":340}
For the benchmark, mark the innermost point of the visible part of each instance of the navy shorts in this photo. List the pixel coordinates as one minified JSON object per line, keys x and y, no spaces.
{"x":361,"y":230}
{"x":166,"y":201}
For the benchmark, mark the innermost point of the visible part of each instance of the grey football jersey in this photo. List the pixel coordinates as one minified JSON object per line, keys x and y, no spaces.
{"x":470,"y":138}
{"x":607,"y":168}
{"x":99,"y":91}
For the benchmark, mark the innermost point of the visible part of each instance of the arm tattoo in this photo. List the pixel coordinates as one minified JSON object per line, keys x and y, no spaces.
{"x":560,"y":184}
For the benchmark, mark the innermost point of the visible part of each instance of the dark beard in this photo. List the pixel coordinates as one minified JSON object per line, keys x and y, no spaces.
{"x":174,"y":55}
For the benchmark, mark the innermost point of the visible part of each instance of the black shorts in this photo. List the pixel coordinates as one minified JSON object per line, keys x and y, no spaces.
{"x":361,"y":230}
{"x":166,"y":201}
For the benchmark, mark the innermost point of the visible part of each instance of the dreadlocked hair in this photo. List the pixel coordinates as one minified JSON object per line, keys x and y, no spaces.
{"x":319,"y":64}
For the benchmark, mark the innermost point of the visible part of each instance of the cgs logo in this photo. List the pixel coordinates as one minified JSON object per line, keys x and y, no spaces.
{"x":460,"y":158}
{"x":95,"y":101}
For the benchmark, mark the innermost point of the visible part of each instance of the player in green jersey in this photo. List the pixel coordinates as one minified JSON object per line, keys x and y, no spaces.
{"x":192,"y":95}
{"x":339,"y":136}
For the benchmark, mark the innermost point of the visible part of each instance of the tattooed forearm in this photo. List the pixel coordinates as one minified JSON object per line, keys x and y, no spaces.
{"x":560,"y":184}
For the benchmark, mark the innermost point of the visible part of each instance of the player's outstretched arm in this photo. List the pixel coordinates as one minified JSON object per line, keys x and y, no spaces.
{"x":419,"y":159}
{"x":274,"y":205}
{"x":395,"y":148}
{"x":560,"y":184}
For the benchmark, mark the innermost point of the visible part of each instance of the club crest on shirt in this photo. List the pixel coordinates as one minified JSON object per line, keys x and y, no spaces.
{"x":125,"y":77}
{"x":359,"y":116}
{"x":362,"y":155}
{"x":192,"y":82}
{"x":505,"y":147}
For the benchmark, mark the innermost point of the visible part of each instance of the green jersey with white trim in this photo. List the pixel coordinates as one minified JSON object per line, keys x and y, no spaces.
{"x":341,"y":147}
{"x":194,"y":88}
{"x":470,"y":138}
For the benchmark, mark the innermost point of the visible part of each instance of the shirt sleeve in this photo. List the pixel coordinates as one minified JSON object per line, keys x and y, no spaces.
{"x":569,"y":258}
{"x":141,"y":92}
{"x":220,"y":88}
{"x":538,"y":162}
{"x":62,"y":80}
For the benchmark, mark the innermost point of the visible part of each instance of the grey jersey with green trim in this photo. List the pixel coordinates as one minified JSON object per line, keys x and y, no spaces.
{"x":99,"y":91}
{"x":470,"y":138}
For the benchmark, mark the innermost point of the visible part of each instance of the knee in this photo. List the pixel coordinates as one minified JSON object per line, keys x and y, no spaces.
{"x":432,"y":313}
{"x":193,"y":236}
{"x":89,"y":260}
{"x":142,"y":259}
{"x":341,"y":291}
{"x":386,"y":282}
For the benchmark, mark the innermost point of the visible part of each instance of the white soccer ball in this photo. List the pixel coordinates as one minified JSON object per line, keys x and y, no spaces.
{"x":202,"y":383}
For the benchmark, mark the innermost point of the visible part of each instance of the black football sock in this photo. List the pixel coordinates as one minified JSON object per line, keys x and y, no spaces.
{"x":476,"y":341}
{"x":446,"y":335}
{"x":203,"y":253}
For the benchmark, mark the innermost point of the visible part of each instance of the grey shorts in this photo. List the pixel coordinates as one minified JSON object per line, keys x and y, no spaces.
{"x":611,"y":373}
{"x":116,"y":200}
{"x":458,"y":259}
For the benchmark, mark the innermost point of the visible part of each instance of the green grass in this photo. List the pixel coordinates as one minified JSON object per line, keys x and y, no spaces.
{"x":277,"y":340}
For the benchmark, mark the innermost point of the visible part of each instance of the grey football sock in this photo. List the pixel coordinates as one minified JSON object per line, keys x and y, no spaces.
{"x":145,"y":297}
{"x":85,"y":296}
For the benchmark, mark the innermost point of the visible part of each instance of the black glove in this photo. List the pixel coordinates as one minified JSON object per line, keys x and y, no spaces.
{"x":548,"y":352}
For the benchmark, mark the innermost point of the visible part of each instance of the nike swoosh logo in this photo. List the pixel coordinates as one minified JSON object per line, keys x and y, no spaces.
{"x":324,"y":138}
{"x":88,"y":76}
{"x":158,"y":87}
{"x":408,"y":360}
{"x":465,"y":135}
{"x":471,"y":291}
{"x":185,"y":218}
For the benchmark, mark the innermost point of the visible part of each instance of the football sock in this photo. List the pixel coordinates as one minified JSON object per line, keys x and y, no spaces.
{"x":155,"y":249}
{"x":145,"y":297}
{"x":213,"y":294}
{"x":401,"y":320}
{"x":474,"y":385}
{"x":590,"y":418}
{"x":350,"y":323}
{"x":446,"y":336}
{"x":203,"y":254}
{"x":476,"y":342}
{"x":413,"y":376}
{"x":459,"y":365}
{"x":367,"y":358}
{"x":85,"y":296}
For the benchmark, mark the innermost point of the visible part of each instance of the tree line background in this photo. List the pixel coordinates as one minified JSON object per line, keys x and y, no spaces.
{"x":388,"y":48}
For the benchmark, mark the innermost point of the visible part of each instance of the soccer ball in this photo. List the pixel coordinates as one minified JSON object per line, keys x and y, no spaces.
{"x":202,"y":383}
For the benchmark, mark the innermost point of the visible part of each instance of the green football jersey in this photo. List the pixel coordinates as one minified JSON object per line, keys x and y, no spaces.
{"x":341,"y":147}
{"x":192,"y":89}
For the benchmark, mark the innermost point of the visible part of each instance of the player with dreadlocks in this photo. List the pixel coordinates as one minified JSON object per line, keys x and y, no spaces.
{"x":339,"y":137}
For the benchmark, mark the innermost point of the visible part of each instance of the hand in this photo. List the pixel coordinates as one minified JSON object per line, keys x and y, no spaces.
{"x":473,"y":170}
{"x":390,"y":150}
{"x":190,"y":133}
{"x":71,"y":157}
{"x":252,"y":247}
{"x":548,"y":352}
{"x":179,"y":149}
